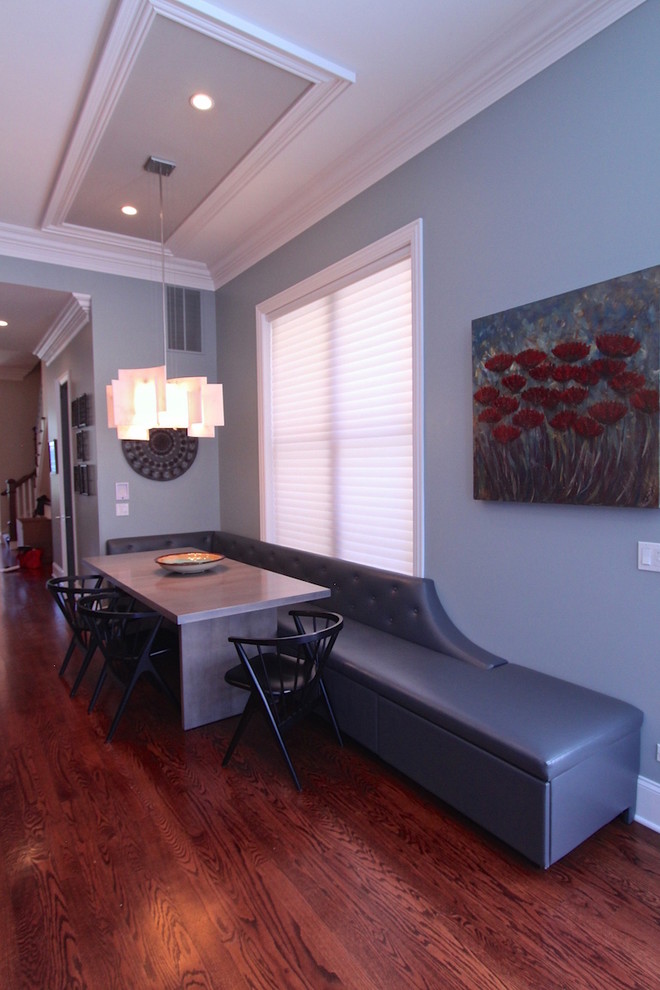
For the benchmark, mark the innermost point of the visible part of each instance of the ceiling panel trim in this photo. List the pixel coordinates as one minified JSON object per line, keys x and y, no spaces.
{"x":126,"y":39}
{"x":248,"y":38}
{"x":308,"y":107}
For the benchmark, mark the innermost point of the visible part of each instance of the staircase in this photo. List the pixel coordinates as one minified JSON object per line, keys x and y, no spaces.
{"x":21,"y":493}
{"x":22,"y":497}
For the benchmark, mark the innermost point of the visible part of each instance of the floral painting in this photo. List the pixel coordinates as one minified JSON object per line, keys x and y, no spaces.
{"x":566,"y":397}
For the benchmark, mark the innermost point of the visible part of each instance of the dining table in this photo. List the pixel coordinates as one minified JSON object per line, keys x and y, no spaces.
{"x":229,"y":598}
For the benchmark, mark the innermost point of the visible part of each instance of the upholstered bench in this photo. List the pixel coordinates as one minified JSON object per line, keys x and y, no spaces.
{"x":536,"y":760}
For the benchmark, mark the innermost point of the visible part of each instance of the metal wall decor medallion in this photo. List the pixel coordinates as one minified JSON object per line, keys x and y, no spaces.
{"x":166,"y":455}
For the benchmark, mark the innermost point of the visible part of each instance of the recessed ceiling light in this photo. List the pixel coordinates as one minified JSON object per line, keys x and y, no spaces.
{"x":3,"y":323}
{"x":129,"y":211}
{"x":202,"y":101}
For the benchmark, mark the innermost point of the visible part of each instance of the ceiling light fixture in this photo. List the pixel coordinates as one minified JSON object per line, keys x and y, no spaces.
{"x":129,"y":211}
{"x":143,"y":399}
{"x":202,"y":101}
{"x":3,"y":323}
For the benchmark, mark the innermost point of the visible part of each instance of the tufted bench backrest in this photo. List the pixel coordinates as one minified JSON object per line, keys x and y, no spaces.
{"x":405,"y":606}
{"x":201,"y":540}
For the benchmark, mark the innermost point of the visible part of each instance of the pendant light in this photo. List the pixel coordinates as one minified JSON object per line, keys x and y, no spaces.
{"x":143,"y":399}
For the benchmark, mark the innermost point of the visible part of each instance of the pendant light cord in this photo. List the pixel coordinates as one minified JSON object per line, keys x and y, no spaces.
{"x":162,"y":271}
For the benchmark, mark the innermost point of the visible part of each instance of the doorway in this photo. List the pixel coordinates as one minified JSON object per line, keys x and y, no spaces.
{"x":66,"y":490}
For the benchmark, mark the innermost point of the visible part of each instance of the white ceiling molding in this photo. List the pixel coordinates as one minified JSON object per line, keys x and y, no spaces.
{"x":508,"y":60}
{"x":113,"y":254}
{"x":137,"y":258}
{"x":68,"y":324}
{"x":486,"y":78}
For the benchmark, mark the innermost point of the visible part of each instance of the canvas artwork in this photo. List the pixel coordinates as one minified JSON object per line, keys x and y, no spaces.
{"x":566,"y":397}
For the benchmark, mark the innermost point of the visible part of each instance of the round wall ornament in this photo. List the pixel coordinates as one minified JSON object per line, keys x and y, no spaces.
{"x":167,"y":454}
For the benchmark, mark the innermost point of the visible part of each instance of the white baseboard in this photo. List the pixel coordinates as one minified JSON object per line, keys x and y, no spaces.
{"x":648,"y":803}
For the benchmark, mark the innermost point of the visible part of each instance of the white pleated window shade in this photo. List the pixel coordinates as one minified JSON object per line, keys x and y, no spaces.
{"x":341,"y":422}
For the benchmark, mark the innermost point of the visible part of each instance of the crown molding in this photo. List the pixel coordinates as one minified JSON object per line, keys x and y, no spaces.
{"x":70,"y":321}
{"x":98,"y":252}
{"x":504,"y":64}
{"x":496,"y":70}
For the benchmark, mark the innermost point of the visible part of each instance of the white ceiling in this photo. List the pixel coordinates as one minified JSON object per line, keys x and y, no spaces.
{"x":314,"y":101}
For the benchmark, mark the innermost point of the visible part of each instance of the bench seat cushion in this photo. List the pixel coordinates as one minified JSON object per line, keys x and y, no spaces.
{"x":542,"y":724}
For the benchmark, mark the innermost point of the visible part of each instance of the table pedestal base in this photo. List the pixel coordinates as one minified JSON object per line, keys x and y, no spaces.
{"x":206,"y":655}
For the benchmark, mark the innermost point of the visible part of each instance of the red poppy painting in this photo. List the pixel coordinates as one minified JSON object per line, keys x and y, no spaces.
{"x":565,"y":397}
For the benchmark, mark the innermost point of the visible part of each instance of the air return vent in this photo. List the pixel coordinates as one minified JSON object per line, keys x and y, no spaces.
{"x":184,"y":321}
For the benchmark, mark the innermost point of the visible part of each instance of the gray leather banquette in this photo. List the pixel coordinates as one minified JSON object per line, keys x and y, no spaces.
{"x":537,"y":761}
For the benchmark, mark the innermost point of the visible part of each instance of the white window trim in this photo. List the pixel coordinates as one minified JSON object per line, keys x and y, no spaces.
{"x":407,"y":241}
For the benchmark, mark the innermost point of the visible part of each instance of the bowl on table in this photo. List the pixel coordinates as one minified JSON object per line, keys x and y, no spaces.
{"x":190,"y":562}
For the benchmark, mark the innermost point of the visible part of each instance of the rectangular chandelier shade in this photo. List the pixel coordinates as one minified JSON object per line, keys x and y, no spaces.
{"x":197,"y":402}
{"x":142,"y":399}
{"x":135,"y":400}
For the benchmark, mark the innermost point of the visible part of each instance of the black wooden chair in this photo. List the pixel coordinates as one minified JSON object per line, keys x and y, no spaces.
{"x":284,"y":676}
{"x":67,"y":592}
{"x":132,"y":642}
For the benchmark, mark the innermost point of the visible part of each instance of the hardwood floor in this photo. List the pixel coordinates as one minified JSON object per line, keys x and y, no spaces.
{"x":143,"y":865}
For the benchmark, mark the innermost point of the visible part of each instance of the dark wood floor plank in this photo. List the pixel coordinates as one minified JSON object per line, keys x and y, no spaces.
{"x":146,"y":864}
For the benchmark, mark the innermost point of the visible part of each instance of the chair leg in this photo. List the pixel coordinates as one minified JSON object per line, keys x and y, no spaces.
{"x":89,"y":653}
{"x":248,"y":712}
{"x":145,"y":666}
{"x":252,"y":704}
{"x":149,"y":668}
{"x":69,"y":654}
{"x":331,"y":712}
{"x":137,"y":674}
{"x":283,"y":749}
{"x":285,"y":754}
{"x":99,"y":685}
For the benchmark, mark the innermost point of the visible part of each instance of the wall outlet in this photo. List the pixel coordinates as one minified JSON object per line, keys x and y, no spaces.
{"x":121,"y":508}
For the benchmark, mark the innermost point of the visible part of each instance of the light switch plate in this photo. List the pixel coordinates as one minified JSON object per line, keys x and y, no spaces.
{"x":121,"y":508}
{"x":648,"y":556}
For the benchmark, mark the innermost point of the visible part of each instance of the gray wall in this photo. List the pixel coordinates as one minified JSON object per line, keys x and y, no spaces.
{"x":553,"y":188}
{"x":126,"y":331}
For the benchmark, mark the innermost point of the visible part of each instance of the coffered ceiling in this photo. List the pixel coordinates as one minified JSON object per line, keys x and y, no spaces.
{"x":313,"y":102}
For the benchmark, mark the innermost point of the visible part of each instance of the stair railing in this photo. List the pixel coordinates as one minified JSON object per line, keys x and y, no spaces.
{"x":22,"y":497}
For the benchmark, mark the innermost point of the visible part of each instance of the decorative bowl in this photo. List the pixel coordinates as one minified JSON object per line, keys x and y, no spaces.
{"x":191,"y":562}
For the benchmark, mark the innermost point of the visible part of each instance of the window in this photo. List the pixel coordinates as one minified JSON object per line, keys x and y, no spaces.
{"x":340,"y":408}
